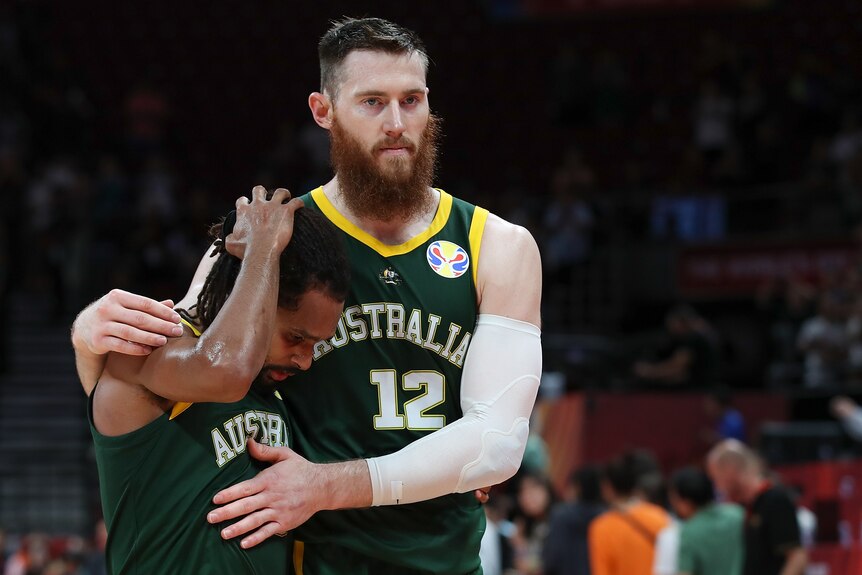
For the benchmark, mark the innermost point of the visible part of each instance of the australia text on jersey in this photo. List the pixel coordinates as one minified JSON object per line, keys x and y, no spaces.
{"x":391,"y":320}
{"x":265,"y":427}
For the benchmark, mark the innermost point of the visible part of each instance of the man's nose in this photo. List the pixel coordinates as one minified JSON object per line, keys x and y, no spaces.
{"x":301,"y":361}
{"x":393,"y":124}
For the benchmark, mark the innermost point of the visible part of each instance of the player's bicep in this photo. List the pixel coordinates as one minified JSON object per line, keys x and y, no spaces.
{"x":509,"y":279}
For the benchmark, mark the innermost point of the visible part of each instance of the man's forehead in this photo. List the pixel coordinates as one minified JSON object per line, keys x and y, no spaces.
{"x":362,"y":69}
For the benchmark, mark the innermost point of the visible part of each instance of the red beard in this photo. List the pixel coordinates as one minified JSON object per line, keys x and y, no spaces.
{"x":398,"y":191}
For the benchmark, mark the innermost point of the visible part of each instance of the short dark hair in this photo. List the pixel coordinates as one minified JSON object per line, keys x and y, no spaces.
{"x":586,"y":479}
{"x":314,"y":258}
{"x":349,"y":34}
{"x":694,"y":486}
{"x":622,"y":474}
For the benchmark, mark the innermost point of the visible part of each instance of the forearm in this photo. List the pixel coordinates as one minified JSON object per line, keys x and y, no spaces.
{"x":240,"y":334}
{"x":484,"y":447}
{"x":797,"y":561}
{"x":221,"y":364}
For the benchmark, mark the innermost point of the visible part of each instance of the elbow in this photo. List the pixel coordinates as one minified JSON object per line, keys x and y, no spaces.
{"x":231,"y":378}
{"x":500,"y":457}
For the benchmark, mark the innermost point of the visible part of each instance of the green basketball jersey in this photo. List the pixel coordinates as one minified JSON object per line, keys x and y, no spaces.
{"x":157,"y":485}
{"x":391,"y":375}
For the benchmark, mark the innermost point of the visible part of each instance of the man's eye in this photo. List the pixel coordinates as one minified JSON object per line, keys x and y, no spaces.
{"x":372,"y":101}
{"x":410,"y":100}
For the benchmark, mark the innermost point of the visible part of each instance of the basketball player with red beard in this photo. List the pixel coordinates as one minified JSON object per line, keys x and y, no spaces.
{"x":396,"y":423}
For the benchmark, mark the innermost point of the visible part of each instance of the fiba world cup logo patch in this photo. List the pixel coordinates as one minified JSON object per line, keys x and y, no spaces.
{"x":447,"y":259}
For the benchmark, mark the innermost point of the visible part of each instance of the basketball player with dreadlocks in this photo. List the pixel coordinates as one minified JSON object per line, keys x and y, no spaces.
{"x":170,"y":428}
{"x":412,"y":420}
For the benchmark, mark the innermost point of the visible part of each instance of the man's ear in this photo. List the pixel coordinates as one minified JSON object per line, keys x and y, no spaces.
{"x":321,"y":109}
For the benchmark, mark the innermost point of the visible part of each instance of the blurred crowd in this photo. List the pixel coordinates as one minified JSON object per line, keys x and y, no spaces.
{"x":628,"y":518}
{"x":40,"y":554}
{"x":815,"y":331}
{"x":91,"y":204}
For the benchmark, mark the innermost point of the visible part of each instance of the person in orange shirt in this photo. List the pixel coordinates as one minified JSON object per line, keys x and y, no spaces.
{"x":622,"y":540}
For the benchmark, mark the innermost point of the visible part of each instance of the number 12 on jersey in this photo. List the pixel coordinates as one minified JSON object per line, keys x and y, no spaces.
{"x":413,"y":416}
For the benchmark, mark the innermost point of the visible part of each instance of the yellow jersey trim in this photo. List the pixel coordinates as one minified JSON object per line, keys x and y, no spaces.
{"x":181,"y":406}
{"x":385,"y":250}
{"x":298,"y":556}
{"x":477,"y":229}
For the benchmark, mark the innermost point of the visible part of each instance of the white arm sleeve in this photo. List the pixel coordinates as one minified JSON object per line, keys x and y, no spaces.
{"x":484,"y":447}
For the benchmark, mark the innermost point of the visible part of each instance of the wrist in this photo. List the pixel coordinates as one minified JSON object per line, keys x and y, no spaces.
{"x":345,"y":485}
{"x":79,"y":342}
{"x":261,"y":255}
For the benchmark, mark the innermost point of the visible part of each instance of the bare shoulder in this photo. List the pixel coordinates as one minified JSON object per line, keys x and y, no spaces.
{"x":509,"y":281}
{"x":503,"y":235}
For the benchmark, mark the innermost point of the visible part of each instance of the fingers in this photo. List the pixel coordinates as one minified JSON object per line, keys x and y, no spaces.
{"x":128,"y":323}
{"x":281,"y":196}
{"x":150,"y":306}
{"x":125,"y":347}
{"x":248,"y":523}
{"x":238,"y":508}
{"x":262,"y":535}
{"x":258,"y":193}
{"x":167,"y":302}
{"x":482,"y":496}
{"x":267,"y":453}
{"x":244,"y":489}
{"x":139,"y":327}
{"x":295,"y":204}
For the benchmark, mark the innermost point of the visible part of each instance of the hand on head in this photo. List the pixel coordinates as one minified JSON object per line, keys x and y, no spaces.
{"x":262,"y":223}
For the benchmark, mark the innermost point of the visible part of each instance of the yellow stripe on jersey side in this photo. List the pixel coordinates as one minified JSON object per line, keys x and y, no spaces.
{"x":181,"y":406}
{"x":385,"y":250}
{"x":298,"y":556}
{"x":477,"y":229}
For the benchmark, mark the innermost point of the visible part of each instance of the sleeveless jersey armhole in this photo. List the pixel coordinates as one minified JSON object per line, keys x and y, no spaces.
{"x":477,"y":229}
{"x":181,"y":406}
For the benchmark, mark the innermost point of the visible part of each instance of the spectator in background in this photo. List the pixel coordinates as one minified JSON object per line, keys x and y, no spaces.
{"x":849,"y":413}
{"x":496,"y":553}
{"x":854,"y":343}
{"x":713,"y":124}
{"x":710,"y":538}
{"x":146,"y":112}
{"x":95,"y":563}
{"x":3,"y":553}
{"x":622,"y":540}
{"x":566,"y":551}
{"x":535,"y":499}
{"x":784,"y":305}
{"x":31,"y":557}
{"x":771,"y":532}
{"x":568,"y":220}
{"x":692,"y":356}
{"x":726,"y":422}
{"x":650,"y":485}
{"x":825,"y":342}
{"x":667,"y":549}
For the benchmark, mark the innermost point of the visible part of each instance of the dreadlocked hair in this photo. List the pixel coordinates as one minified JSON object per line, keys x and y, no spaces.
{"x":313,"y":259}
